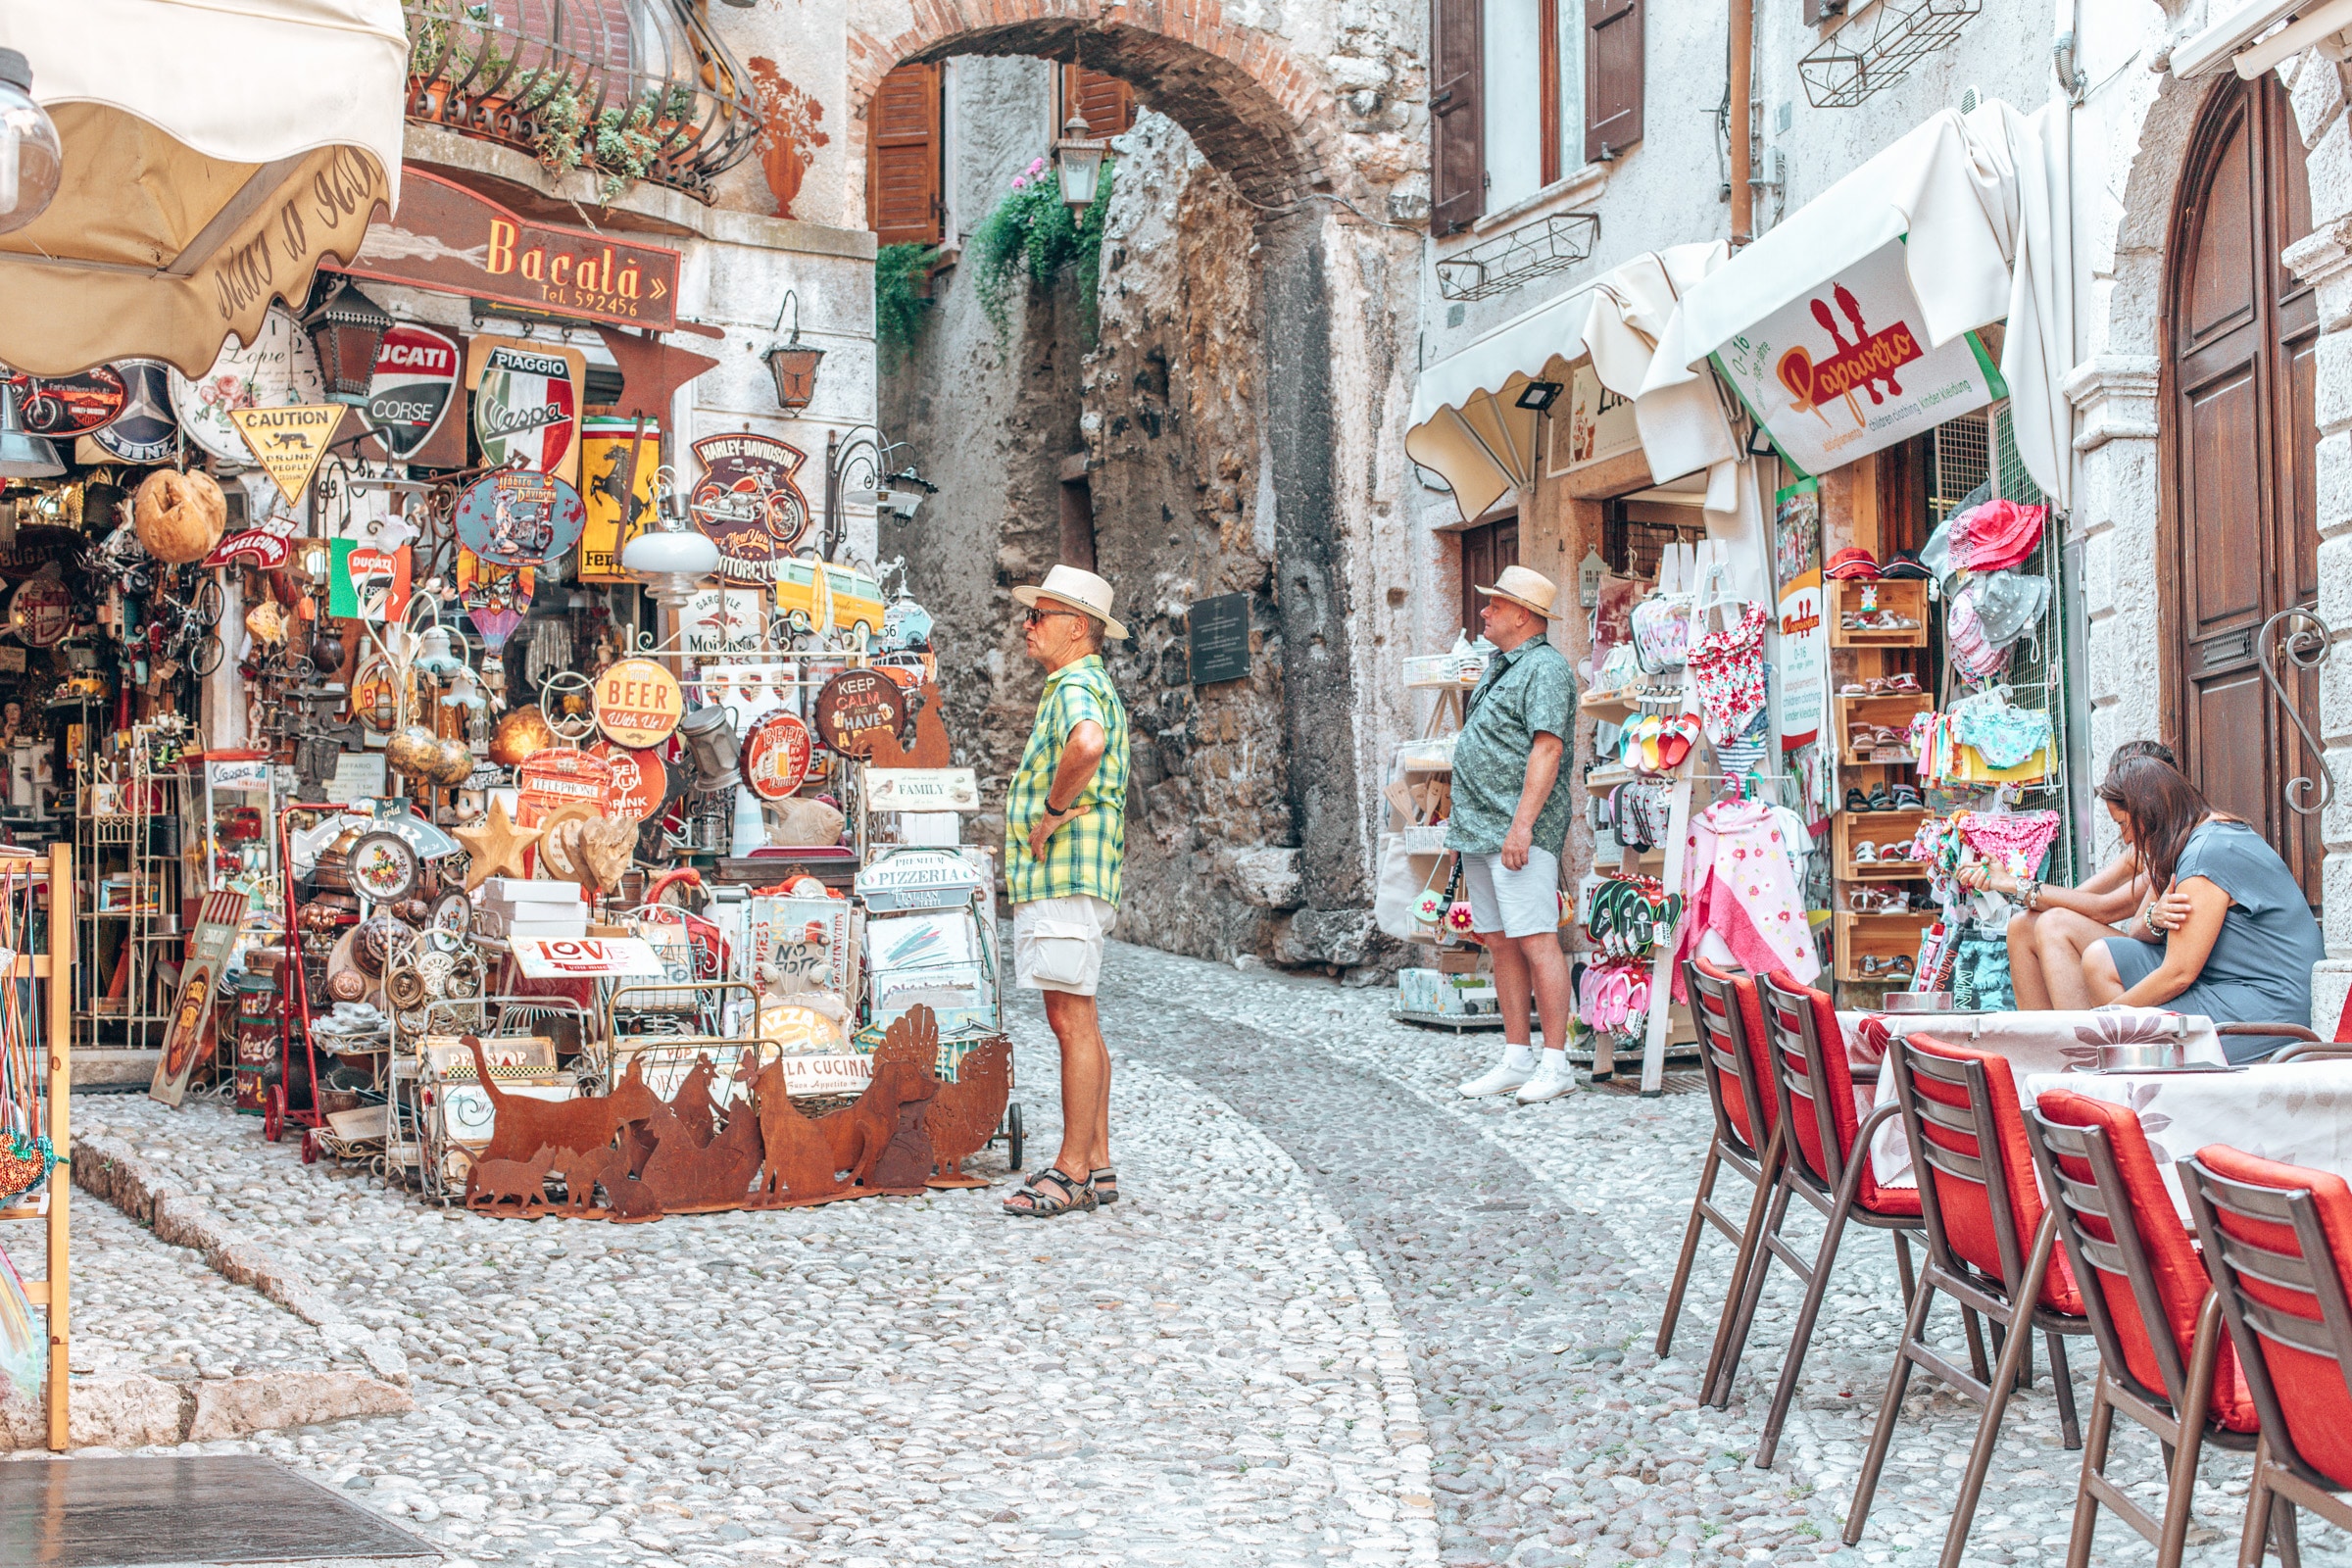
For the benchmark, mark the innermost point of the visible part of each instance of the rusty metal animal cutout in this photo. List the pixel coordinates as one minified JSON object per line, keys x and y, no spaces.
{"x":964,"y":1114}
{"x":626,"y":1198}
{"x":860,"y":1131}
{"x":693,"y":1102}
{"x":906,"y":1162}
{"x":685,"y":1175}
{"x":796,"y":1160}
{"x":495,"y":1181}
{"x":523,"y":1124}
{"x":930,"y":748}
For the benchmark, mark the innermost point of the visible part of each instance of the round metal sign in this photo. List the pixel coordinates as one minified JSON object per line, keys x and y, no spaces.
{"x":638,"y":703}
{"x":41,"y":612}
{"x":145,"y":432}
{"x":855,"y":707}
{"x":518,"y":519}
{"x":640,"y":782}
{"x":775,"y":756}
{"x":277,"y":370}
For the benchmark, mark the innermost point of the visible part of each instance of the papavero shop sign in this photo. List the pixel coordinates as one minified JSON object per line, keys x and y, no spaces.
{"x":1845,"y":370}
{"x":449,"y":239}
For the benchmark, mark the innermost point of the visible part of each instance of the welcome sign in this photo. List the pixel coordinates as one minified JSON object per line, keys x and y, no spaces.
{"x":1845,"y":370}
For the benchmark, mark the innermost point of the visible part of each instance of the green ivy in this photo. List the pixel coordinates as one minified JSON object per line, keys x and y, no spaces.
{"x":898,"y":303}
{"x":1031,"y":231}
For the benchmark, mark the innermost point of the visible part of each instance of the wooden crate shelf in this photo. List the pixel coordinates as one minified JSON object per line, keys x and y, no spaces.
{"x":1898,"y":596}
{"x":1851,"y":828}
{"x":1878,"y":936}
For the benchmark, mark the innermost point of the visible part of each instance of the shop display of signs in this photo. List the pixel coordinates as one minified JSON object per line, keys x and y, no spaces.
{"x":855,"y":707}
{"x":193,"y":1014}
{"x":919,"y":879}
{"x":805,"y":941}
{"x":775,"y":756}
{"x":41,"y":612}
{"x":288,"y":441}
{"x":922,"y":789}
{"x":520,"y":518}
{"x":494,"y":597}
{"x":619,"y":500}
{"x":276,"y":371}
{"x":748,"y":503}
{"x":548,"y":780}
{"x":415,"y":383}
{"x":638,"y":703}
{"x":1845,"y":370}
{"x":367,"y":583}
{"x":449,"y":240}
{"x":526,"y":403}
{"x":640,"y":781}
{"x":144,"y":429}
{"x":70,"y":405}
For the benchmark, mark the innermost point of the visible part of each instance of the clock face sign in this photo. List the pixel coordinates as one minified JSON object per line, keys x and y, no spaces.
{"x":145,"y":432}
{"x":415,"y":383}
{"x":277,"y":370}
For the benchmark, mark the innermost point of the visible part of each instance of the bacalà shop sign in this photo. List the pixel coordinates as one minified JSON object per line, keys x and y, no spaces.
{"x":449,"y":239}
{"x":1845,"y":370}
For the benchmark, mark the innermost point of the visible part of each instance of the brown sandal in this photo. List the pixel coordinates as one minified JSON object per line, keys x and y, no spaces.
{"x":1043,"y":1204}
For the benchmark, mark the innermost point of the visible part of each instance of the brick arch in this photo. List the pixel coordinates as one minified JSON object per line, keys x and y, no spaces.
{"x":1250,"y":106}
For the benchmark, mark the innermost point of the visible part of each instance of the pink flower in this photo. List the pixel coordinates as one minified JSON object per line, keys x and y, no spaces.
{"x":1018,"y":183}
{"x":1036,"y":169}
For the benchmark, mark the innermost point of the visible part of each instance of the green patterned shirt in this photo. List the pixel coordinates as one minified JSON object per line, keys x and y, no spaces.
{"x":1526,"y":692}
{"x":1085,"y":853}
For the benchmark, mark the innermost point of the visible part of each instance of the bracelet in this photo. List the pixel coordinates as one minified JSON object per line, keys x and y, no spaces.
{"x":2148,"y":917}
{"x":1064,"y":812}
{"x":2032,"y":894}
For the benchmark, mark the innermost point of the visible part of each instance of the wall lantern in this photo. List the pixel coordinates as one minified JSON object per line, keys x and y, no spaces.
{"x":793,"y":362}
{"x":30,"y":155}
{"x":345,"y":334}
{"x":22,"y":455}
{"x":1078,"y":159}
{"x":1538,"y":395}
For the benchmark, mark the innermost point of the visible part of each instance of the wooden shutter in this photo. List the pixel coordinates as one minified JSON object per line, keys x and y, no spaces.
{"x":1105,"y":103}
{"x":1612,"y":76}
{"x":1458,"y":142}
{"x":902,"y":162}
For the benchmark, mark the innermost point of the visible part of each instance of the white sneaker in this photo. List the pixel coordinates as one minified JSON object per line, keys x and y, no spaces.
{"x":1552,"y":1078}
{"x":1501,"y":1079}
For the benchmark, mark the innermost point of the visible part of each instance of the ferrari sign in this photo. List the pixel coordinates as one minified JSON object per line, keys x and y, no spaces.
{"x":416,"y":376}
{"x":288,"y":441}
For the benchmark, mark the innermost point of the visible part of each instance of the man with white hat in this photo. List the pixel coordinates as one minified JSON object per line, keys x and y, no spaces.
{"x":1065,"y":837}
{"x":1509,"y":824}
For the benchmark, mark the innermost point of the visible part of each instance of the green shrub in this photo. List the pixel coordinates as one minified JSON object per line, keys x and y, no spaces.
{"x":898,"y":303}
{"x":1031,"y":231}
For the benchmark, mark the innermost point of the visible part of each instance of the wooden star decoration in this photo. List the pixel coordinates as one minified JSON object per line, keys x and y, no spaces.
{"x":494,"y":846}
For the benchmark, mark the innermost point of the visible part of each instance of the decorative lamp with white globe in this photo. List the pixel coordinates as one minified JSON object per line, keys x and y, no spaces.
{"x":32,"y":158}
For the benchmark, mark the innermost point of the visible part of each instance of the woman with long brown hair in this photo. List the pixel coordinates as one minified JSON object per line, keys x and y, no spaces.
{"x":2239,"y":939}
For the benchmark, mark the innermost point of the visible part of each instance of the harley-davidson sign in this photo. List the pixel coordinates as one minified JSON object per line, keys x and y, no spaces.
{"x":748,"y":503}
{"x":449,"y":239}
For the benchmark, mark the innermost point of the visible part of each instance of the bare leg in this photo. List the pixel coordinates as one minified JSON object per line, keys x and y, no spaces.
{"x":2024,"y":964}
{"x":1084,"y":1084}
{"x":2064,"y":938}
{"x":2099,"y":977}
{"x":1511,"y":982}
{"x":1540,"y":959}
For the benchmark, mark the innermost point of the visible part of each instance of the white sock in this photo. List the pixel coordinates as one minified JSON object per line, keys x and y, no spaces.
{"x":1519,"y":1058}
{"x":1555,"y":1058}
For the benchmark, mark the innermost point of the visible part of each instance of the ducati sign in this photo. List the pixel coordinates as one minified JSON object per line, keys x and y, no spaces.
{"x":415,"y":377}
{"x":528,"y":408}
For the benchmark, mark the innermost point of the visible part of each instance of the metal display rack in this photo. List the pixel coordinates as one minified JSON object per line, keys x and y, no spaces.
{"x":142,"y":934}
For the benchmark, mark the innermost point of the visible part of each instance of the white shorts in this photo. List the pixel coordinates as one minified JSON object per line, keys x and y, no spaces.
{"x":1058,"y":943}
{"x":1524,"y":902}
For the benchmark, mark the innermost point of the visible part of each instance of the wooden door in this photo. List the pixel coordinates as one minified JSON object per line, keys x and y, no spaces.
{"x":1486,"y":550}
{"x":2244,"y":535}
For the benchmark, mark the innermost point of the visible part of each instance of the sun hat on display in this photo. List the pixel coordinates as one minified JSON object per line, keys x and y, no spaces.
{"x":1851,"y":562}
{"x":1525,"y":587}
{"x":1996,"y":535}
{"x":1081,"y":591}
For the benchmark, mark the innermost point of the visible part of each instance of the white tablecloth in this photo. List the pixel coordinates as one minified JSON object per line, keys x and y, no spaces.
{"x":2299,"y":1113}
{"x":2035,"y":1043}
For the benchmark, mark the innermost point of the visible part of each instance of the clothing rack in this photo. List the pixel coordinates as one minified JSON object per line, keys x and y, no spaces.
{"x":54,"y":1008}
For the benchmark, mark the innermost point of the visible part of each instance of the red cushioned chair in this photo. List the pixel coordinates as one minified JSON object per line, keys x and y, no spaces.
{"x":1826,"y":1161}
{"x":2278,"y":1241}
{"x":1978,"y":1197}
{"x":2164,"y":1359}
{"x":1730,"y":1041}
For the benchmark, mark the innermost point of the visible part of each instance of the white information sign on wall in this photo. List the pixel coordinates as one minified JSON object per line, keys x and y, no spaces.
{"x":1845,"y":370}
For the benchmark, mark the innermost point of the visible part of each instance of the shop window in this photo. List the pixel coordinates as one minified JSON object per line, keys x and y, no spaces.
{"x":1635,"y":535}
{"x":903,"y":184}
{"x":1506,"y":84}
{"x":1105,"y":101}
{"x":1486,"y":550}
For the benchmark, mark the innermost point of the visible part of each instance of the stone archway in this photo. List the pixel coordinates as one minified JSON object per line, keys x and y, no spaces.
{"x":1265,"y":121}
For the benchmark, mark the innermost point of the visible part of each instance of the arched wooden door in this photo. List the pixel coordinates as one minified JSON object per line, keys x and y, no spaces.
{"x":2241,"y":526}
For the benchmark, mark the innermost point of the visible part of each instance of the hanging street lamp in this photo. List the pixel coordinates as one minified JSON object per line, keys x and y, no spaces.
{"x":1078,"y":160}
{"x":346,"y":331}
{"x":793,"y":363}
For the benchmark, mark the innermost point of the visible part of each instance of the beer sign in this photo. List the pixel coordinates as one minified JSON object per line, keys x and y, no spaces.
{"x":856,"y":708}
{"x":638,"y":703}
{"x":288,"y":442}
{"x":415,"y":377}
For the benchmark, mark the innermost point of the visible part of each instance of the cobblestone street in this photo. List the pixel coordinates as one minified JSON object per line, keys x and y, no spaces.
{"x":1343,"y":1316}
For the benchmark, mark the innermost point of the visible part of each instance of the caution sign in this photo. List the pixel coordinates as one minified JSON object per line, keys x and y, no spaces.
{"x":288,"y":442}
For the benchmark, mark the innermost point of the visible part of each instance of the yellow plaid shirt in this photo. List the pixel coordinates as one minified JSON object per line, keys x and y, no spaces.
{"x":1086,"y":852}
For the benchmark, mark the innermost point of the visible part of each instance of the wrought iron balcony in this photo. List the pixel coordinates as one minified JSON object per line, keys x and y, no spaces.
{"x":624,"y":89}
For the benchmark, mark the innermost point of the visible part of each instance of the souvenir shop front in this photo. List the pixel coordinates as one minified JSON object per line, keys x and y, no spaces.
{"x":1810,"y":578}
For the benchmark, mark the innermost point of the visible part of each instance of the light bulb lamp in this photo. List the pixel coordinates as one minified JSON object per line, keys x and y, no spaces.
{"x":346,"y":331}
{"x":24,"y":455}
{"x":793,"y":362}
{"x":864,"y":450}
{"x":672,"y":558}
{"x":1078,"y":160}
{"x":30,"y":156}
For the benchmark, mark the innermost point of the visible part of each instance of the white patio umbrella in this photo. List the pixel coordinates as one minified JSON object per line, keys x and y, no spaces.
{"x":214,"y":151}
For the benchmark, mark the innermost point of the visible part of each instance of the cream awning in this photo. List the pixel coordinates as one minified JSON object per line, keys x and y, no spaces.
{"x":1467,"y":426}
{"x":215,"y":150}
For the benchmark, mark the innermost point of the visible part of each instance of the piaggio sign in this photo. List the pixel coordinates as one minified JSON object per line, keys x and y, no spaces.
{"x":448,"y":239}
{"x":415,"y":383}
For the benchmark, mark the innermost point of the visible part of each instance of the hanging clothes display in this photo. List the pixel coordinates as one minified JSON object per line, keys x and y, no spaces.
{"x":1742,"y":884}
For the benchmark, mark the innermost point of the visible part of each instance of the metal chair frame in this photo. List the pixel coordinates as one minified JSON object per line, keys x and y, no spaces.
{"x":2283,"y":1479}
{"x":1723,"y":1050}
{"x":1799,"y":1068}
{"x":2012,"y":1303}
{"x":2180,"y":1413}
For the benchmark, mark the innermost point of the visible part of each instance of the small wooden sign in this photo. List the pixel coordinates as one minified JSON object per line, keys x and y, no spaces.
{"x":288,"y":442}
{"x":922,"y":789}
{"x":638,"y":703}
{"x":585,"y":957}
{"x":855,"y":707}
{"x":1218,"y":635}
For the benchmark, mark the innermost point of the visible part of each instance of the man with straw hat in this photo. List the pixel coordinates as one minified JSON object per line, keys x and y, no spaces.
{"x":1065,"y":836}
{"x":1509,"y":823}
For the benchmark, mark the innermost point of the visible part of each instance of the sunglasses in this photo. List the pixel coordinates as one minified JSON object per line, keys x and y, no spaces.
{"x":1038,"y":618}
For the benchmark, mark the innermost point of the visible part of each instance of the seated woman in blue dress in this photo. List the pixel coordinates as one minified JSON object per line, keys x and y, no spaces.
{"x":2239,"y":939}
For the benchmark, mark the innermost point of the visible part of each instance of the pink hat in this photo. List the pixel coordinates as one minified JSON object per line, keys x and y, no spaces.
{"x":1996,"y":535}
